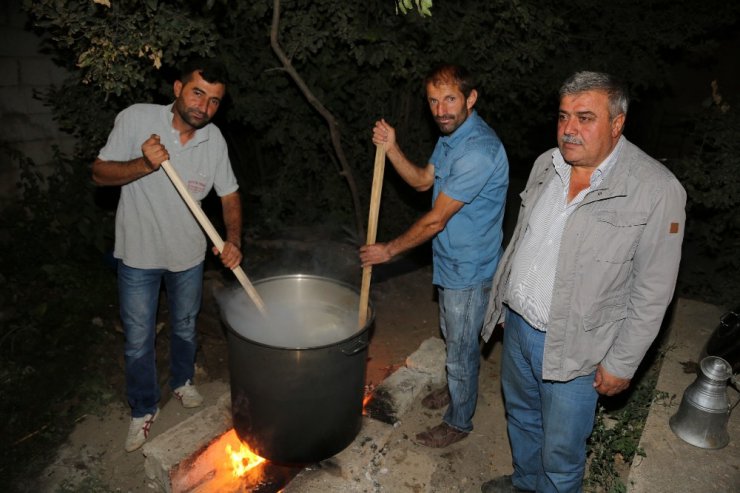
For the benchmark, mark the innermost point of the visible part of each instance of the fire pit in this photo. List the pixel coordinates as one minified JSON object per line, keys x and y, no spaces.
{"x":297,"y":378}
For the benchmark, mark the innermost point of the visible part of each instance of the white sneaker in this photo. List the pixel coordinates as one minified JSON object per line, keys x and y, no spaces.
{"x":188,"y":395}
{"x":138,"y":431}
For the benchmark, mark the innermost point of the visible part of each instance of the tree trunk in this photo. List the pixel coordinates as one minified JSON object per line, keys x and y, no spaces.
{"x":346,"y":171}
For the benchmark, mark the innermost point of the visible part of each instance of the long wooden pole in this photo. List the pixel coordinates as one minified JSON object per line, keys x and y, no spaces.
{"x":206,"y":224}
{"x":372,"y":228}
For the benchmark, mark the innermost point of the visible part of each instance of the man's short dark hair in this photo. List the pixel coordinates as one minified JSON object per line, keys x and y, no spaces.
{"x":450,"y":73}
{"x":211,"y":69}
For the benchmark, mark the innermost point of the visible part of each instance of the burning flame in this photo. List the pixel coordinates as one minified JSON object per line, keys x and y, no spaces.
{"x":243,"y":460}
{"x":369,"y":389}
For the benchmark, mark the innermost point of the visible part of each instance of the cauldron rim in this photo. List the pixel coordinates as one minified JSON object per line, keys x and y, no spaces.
{"x":368,"y":323}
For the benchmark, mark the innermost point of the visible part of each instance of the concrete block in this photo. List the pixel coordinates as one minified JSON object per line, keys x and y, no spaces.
{"x":349,"y":470}
{"x":18,"y":42}
{"x":12,"y":15}
{"x":40,"y":72}
{"x":392,"y":398}
{"x":165,"y":452}
{"x":9,"y":72}
{"x":430,"y":359}
{"x":397,"y":393}
{"x":14,"y":101}
{"x":17,"y":127}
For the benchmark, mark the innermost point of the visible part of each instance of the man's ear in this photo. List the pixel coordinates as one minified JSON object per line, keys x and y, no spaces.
{"x":177,"y":88}
{"x":618,"y":125}
{"x":472,"y":98}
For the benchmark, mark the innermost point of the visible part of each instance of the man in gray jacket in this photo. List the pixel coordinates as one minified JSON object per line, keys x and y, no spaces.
{"x":583,"y":284}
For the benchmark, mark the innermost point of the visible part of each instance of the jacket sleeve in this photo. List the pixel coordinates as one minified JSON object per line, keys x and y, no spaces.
{"x":655,"y":269}
{"x":494,"y":311}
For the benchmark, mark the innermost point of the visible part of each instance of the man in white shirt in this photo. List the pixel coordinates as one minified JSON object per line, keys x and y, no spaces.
{"x":583,"y":284}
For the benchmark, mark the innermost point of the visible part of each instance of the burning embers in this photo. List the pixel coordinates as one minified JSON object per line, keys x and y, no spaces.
{"x":227,"y":465}
{"x":242,"y":460}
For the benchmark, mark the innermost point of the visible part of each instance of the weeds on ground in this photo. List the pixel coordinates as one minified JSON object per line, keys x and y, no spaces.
{"x":614,"y":442}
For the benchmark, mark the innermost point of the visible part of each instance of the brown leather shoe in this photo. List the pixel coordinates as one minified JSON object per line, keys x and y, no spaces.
{"x":501,"y":484}
{"x":440,"y":436}
{"x":437,"y":399}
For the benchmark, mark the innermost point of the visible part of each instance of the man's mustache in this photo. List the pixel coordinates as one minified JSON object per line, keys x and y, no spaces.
{"x":570,"y":139}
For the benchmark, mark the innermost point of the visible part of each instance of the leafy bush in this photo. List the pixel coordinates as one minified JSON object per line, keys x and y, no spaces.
{"x":56,"y":285}
{"x":363,"y":62}
{"x":709,"y":174}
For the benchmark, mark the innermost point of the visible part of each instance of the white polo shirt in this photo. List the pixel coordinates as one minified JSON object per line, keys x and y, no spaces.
{"x":154,"y":227}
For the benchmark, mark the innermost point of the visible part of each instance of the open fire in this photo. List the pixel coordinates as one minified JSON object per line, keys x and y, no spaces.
{"x":242,"y":460}
{"x":227,"y":465}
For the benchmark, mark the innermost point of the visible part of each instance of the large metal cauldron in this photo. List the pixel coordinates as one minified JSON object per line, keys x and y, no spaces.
{"x":297,"y":378}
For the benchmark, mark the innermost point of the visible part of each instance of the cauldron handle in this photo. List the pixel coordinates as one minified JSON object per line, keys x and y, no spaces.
{"x":356,"y":346}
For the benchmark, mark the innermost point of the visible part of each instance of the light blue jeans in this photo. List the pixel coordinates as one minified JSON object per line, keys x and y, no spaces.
{"x":138,"y":291}
{"x":548,"y":422}
{"x":461,"y":313}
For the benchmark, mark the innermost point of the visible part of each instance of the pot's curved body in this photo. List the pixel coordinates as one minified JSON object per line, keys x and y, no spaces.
{"x":297,"y":379}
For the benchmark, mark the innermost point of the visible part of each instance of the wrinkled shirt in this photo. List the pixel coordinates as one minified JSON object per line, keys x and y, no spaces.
{"x":154,"y":226}
{"x":470,"y":166}
{"x":533,"y":270}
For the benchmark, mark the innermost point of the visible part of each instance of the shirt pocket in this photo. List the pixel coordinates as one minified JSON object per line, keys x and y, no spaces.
{"x":617,"y":234}
{"x":611,"y":312}
{"x":199,"y":184}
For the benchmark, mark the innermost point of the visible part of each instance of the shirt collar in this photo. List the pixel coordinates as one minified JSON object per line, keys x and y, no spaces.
{"x":461,"y":132}
{"x":201,"y":134}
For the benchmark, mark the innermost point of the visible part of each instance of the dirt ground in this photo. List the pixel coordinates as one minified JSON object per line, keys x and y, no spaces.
{"x":406,"y":314}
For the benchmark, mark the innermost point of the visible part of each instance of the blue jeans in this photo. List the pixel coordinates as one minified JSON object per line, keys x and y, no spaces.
{"x":138,"y":291}
{"x":461,"y":313}
{"x":548,"y":422}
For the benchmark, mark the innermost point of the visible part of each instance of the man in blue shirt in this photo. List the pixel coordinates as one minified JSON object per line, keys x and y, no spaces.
{"x":469,"y":172}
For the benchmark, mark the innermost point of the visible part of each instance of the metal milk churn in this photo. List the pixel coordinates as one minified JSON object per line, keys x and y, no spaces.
{"x":702,"y":417}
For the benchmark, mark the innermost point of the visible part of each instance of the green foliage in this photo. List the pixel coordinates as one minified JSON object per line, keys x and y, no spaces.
{"x":47,"y":339}
{"x":424,"y":7}
{"x":708,"y":171}
{"x":56,"y":218}
{"x":115,"y":44}
{"x":363,"y":62}
{"x":616,"y":436}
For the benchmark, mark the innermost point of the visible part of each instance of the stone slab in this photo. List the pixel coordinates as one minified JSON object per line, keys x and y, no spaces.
{"x":430,"y":359}
{"x":349,"y":470}
{"x":397,"y":393}
{"x":670,"y":464}
{"x":164,"y":452}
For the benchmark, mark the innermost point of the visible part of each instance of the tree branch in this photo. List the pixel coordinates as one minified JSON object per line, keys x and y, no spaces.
{"x":334,"y":130}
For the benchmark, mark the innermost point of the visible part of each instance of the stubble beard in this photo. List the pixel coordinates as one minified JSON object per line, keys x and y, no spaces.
{"x":186,"y":114}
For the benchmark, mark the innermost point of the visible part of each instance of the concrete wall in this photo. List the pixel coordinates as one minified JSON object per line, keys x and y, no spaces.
{"x":25,"y":123}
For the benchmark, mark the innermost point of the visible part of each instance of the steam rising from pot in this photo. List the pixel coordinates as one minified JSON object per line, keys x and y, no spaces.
{"x":304,"y":312}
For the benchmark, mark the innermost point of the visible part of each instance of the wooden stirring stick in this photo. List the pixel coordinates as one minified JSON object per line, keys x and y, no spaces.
{"x":372,"y":228}
{"x":206,"y":224}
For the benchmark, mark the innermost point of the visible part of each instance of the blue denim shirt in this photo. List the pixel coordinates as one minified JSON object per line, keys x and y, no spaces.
{"x":470,"y":166}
